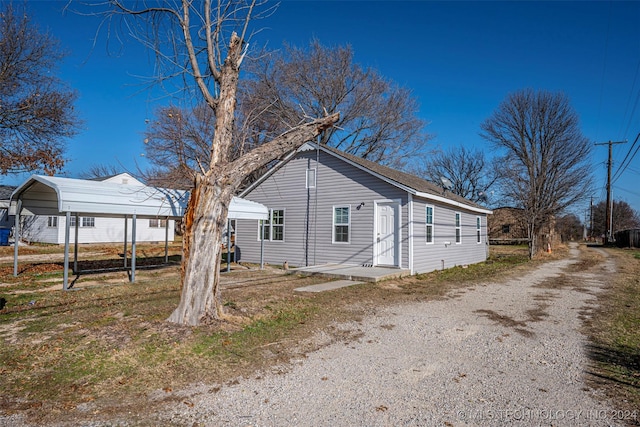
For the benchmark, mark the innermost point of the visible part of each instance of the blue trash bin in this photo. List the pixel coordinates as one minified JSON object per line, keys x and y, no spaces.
{"x":4,"y":237}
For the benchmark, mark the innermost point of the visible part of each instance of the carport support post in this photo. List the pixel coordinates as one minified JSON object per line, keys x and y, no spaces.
{"x":67,"y":226}
{"x":16,"y":238}
{"x":166,"y":240}
{"x":261,"y":250}
{"x":75,"y":248}
{"x":126,"y":222}
{"x":228,"y":245}
{"x":133,"y":249}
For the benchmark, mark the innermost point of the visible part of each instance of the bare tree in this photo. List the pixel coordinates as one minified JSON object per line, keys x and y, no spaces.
{"x":471,"y":175}
{"x":569,"y":227}
{"x":379,"y":119}
{"x":623,"y":217}
{"x":205,"y":43}
{"x":36,"y":108}
{"x":100,"y":171}
{"x":545,"y":165}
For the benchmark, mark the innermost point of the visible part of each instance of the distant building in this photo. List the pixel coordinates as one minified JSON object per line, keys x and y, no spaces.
{"x":507,"y":226}
{"x":6,"y":221}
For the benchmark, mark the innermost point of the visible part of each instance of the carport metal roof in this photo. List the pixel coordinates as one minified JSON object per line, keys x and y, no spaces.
{"x":46,"y":195}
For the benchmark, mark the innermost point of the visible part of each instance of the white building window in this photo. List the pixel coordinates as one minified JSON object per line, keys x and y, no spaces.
{"x":428,"y":231}
{"x":341,"y":224}
{"x":88,"y":221}
{"x":52,"y":221}
{"x":272,"y":229}
{"x":157,"y":223}
{"x":458,"y":228}
{"x":478,"y":230}
{"x":311,"y":178}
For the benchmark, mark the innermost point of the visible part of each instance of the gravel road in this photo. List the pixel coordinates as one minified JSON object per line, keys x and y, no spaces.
{"x":497,"y":354}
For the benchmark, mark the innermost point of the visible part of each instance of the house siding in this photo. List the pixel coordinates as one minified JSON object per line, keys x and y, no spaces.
{"x":309,"y":214}
{"x":444,"y":252}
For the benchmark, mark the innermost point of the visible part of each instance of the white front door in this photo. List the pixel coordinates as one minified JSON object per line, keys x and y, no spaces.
{"x":386,"y":238}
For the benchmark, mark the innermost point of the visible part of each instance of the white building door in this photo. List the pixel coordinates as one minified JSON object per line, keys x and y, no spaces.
{"x":386,"y":234}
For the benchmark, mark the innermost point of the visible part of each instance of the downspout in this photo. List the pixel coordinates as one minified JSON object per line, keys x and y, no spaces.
{"x":410,"y":231}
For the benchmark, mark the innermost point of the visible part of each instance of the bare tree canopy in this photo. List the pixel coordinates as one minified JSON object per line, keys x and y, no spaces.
{"x":623,"y":217}
{"x":36,"y":108}
{"x":205,"y":42}
{"x":545,"y":168}
{"x":379,"y":119}
{"x":470,"y":173}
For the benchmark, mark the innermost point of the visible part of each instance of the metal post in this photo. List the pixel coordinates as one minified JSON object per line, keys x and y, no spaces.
{"x":126,"y":223}
{"x":166,"y":241}
{"x":133,"y":249}
{"x":75,"y":248}
{"x":228,"y":245}
{"x":16,"y":238}
{"x":67,"y":227}
{"x":261,"y":244}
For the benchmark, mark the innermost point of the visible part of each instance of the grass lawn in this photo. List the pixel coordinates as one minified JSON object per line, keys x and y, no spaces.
{"x":104,"y":345}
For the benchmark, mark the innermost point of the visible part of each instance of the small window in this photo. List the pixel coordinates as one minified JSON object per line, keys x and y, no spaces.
{"x":429,"y":224}
{"x":272,"y":229}
{"x":458,"y":229}
{"x":506,"y":228}
{"x":88,"y":221}
{"x":4,"y":215}
{"x":478,"y":230}
{"x":341,"y":224}
{"x":72,"y":221}
{"x":311,"y":178}
{"x":277,"y":225}
{"x":157,"y":223}
{"x":52,"y":221}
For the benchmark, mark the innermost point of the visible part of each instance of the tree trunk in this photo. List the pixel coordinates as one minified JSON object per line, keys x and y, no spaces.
{"x":204,"y":225}
{"x":206,"y":217}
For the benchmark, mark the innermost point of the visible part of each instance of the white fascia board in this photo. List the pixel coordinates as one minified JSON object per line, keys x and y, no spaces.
{"x":452,"y":202}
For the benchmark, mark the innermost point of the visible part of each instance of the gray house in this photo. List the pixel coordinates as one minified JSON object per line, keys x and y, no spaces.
{"x":327,"y":206}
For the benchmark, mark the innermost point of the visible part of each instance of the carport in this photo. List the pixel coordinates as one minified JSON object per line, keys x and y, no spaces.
{"x":55,"y":196}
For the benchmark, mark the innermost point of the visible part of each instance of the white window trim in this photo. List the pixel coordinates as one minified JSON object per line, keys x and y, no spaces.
{"x":333,"y":225}
{"x":478,"y":230}
{"x":433,"y":236}
{"x":82,"y":221}
{"x":458,"y":227}
{"x":315,"y":174}
{"x":52,"y":222}
{"x":261,"y":225}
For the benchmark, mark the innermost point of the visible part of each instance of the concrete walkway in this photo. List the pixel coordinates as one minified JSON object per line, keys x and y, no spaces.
{"x":352,"y":272}
{"x":329,"y":286}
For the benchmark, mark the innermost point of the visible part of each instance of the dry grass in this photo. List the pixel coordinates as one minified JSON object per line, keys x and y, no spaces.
{"x":105,"y":346}
{"x":614,"y":331}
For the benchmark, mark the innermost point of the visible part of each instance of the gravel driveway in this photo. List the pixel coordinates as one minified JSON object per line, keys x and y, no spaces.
{"x":496,"y":354}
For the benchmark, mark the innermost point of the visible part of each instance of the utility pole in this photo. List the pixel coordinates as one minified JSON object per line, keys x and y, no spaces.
{"x":608,"y":225}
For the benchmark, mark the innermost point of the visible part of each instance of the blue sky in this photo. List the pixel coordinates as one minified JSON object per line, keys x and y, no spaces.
{"x":460,"y":59}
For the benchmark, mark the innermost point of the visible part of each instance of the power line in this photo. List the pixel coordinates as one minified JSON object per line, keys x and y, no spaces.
{"x":623,"y":166}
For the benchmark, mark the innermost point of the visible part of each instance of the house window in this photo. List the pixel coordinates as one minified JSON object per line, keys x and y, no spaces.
{"x":72,"y":221}
{"x":478,"y":229}
{"x":4,"y":215}
{"x":341,"y":224}
{"x":157,"y":223}
{"x":52,"y":221}
{"x":88,"y":221}
{"x":458,"y":229}
{"x":506,"y":228}
{"x":273,"y":228}
{"x":428,"y":232}
{"x":311,"y":178}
